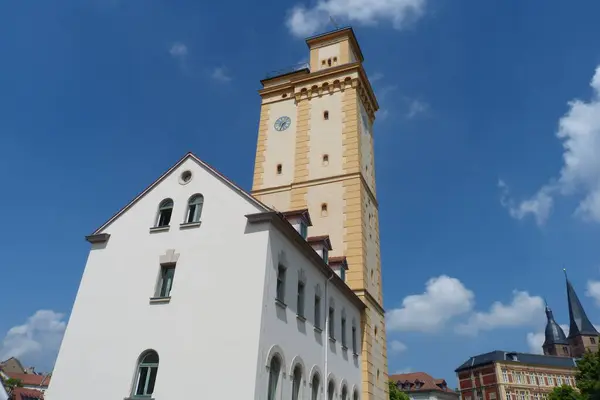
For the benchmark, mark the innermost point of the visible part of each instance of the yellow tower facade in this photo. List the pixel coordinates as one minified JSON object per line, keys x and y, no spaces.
{"x":315,"y":151}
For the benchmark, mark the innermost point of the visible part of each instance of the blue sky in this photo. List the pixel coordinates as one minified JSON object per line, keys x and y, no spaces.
{"x":487,"y":147}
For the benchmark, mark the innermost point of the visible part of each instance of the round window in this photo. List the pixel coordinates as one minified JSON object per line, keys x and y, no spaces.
{"x":185,"y":177}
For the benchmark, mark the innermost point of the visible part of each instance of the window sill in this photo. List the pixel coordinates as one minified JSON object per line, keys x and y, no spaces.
{"x":280,"y":303}
{"x":355,"y":354}
{"x":158,"y":300}
{"x":344,"y":347}
{"x":318,"y":330}
{"x":188,"y":225}
{"x":139,"y":398}
{"x":301,"y":318}
{"x":332,"y":339}
{"x":156,"y":229}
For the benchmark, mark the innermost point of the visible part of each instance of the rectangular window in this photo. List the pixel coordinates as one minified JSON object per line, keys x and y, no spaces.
{"x":166,"y":280}
{"x":281,"y":283}
{"x":504,"y":376}
{"x":344,"y":331}
{"x":508,"y":396}
{"x":331,"y":323}
{"x":326,"y":256}
{"x":354,"y":348}
{"x":593,"y":340}
{"x":317,"y":312}
{"x":300,"y":301}
{"x":492,"y":396}
{"x":303,"y":230}
{"x":550,"y":380}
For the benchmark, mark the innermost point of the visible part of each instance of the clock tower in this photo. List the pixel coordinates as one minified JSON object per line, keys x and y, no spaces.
{"x":315,"y":152}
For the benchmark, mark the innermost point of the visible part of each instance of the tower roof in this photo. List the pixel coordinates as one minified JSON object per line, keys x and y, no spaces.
{"x":554,"y":333}
{"x":579,"y":324}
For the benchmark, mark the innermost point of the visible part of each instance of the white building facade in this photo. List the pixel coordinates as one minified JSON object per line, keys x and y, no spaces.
{"x":196,"y":289}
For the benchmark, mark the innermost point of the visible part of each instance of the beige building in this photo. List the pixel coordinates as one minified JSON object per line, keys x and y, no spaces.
{"x":315,"y":152}
{"x":501,"y":375}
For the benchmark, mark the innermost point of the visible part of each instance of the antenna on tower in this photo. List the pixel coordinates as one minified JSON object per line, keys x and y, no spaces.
{"x":333,"y":22}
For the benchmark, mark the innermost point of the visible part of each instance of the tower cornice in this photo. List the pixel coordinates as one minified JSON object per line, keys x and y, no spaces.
{"x":304,"y":85}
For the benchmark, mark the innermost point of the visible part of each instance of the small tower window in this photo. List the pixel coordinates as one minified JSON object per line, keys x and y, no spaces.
{"x":593,"y":340}
{"x":324,"y":210}
{"x":325,"y":115}
{"x":334,"y":59}
{"x":322,"y":62}
{"x":325,"y":159}
{"x":329,"y":62}
{"x":279,"y":169}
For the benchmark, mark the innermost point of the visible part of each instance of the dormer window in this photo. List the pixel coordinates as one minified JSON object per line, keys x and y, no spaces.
{"x":321,"y":245}
{"x":303,"y":229}
{"x":299,"y":219}
{"x":339,"y":265}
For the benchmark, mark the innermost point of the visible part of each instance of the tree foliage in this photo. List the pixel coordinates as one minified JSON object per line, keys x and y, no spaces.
{"x":565,"y":392}
{"x":588,"y":375}
{"x":395,"y":393}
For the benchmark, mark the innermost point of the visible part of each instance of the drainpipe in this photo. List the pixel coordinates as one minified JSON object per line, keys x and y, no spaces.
{"x":326,"y":346}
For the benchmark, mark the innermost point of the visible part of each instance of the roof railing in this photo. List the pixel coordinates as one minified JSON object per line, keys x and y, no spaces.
{"x":287,"y":70}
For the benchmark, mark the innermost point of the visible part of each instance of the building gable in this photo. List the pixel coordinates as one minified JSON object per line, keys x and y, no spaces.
{"x":203,"y":177}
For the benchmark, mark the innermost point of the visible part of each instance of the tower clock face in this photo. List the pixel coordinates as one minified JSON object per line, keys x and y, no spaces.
{"x":282,"y":123}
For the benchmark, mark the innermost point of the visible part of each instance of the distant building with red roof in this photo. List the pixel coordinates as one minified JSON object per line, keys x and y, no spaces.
{"x":422,"y":386}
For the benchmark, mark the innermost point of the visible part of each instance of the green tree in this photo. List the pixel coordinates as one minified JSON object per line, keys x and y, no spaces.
{"x":588,"y":375}
{"x":12,"y":383}
{"x":395,"y":393}
{"x":565,"y":392}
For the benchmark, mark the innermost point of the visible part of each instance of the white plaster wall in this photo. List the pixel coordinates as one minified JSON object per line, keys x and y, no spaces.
{"x":331,"y":224}
{"x":295,"y":338}
{"x":280,"y":147}
{"x":325,"y":136}
{"x":211,"y":326}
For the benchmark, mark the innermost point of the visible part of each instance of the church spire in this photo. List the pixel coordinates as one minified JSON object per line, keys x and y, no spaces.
{"x":554,"y":334}
{"x":579,"y":322}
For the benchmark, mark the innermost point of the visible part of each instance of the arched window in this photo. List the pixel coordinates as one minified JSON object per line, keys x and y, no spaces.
{"x":330,"y":389}
{"x":274,"y":372}
{"x":165,"y":210}
{"x":146,"y":374}
{"x":296,"y":382}
{"x":355,"y":396}
{"x":344,"y":393}
{"x":315,"y":387}
{"x":194,"y":208}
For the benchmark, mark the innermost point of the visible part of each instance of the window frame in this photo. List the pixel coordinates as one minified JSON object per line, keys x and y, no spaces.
{"x":195,"y":205}
{"x":331,"y":323}
{"x":317,"y":316}
{"x":343,"y":333}
{"x":165,"y":284}
{"x":148,"y":376}
{"x":166,"y":205}
{"x":272,"y":390}
{"x":301,"y":299}
{"x":281,"y":282}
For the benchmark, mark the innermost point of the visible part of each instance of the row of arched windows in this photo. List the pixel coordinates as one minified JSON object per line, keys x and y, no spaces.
{"x":192,"y":214}
{"x":276,"y":368}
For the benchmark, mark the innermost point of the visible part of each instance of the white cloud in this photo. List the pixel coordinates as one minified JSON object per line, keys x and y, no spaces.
{"x":538,"y":206}
{"x":396,"y":346}
{"x":593,"y":290}
{"x":304,"y":21}
{"x":416,"y":108}
{"x":400,"y":371}
{"x":579,"y":132}
{"x":523,"y":310}
{"x":36,"y":341}
{"x":444,"y":298}
{"x":376,"y":77}
{"x":178,"y":50}
{"x":219,"y":74}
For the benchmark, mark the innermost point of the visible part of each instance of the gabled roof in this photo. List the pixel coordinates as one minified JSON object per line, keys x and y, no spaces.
{"x":323,"y":239}
{"x":30,"y":379}
{"x":523,"y":358}
{"x":428,"y":383}
{"x":20,"y":393}
{"x":204,"y":165}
